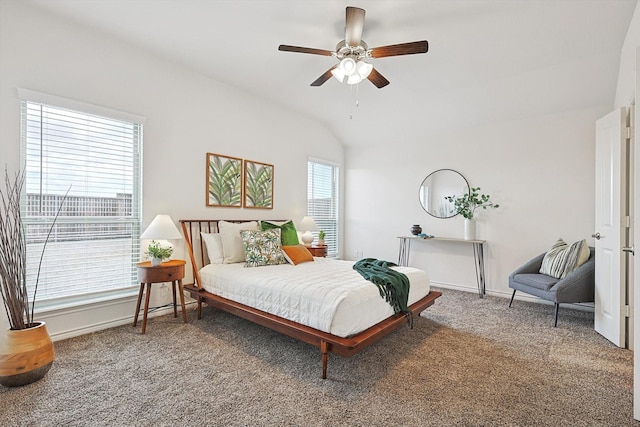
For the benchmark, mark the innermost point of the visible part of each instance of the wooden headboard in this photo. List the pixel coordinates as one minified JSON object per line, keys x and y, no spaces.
{"x":191,"y":228}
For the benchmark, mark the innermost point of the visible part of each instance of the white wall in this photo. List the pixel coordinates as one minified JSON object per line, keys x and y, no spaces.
{"x":187,"y":115}
{"x":625,"y":89}
{"x":540,"y":170}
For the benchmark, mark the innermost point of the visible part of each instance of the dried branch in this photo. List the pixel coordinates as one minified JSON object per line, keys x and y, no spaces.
{"x":13,"y":254}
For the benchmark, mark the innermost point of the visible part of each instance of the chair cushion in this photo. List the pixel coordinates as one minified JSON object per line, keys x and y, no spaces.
{"x":538,"y":281}
{"x":562,"y":259}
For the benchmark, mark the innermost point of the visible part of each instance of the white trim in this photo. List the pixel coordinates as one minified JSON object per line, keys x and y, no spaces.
{"x":323,"y":161}
{"x":124,"y":307}
{"x":107,"y":324}
{"x":58,"y":101}
{"x":521,"y":296}
{"x":81,"y":302}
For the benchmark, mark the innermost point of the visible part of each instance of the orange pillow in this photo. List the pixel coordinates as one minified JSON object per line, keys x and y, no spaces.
{"x":296,"y":254}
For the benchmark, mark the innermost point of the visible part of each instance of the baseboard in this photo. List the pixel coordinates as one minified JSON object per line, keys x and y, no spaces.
{"x":99,"y":326}
{"x":520,"y":296}
{"x":67,"y":332}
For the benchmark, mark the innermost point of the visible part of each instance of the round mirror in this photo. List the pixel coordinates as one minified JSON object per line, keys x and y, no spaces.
{"x":438,"y":185}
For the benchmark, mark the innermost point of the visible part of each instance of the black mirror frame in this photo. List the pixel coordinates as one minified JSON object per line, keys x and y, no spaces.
{"x":427,"y":177}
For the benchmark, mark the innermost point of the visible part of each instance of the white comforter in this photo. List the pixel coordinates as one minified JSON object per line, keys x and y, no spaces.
{"x":325,"y":294}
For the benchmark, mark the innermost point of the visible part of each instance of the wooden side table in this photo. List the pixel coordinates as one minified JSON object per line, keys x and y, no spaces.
{"x":170,"y":271}
{"x":318,"y":250}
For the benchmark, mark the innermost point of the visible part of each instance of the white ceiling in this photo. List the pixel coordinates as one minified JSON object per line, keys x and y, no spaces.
{"x":488,"y":61}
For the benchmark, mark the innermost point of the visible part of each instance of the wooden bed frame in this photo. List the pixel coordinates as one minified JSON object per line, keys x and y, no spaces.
{"x":327,"y":343}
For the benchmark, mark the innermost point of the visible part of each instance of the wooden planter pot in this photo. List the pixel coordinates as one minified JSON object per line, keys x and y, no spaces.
{"x":25,"y":355}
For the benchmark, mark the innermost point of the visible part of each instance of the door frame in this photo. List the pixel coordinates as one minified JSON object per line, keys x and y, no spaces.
{"x":636,"y":259}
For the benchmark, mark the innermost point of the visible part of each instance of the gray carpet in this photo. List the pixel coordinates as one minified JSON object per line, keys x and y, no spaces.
{"x":467,"y":362}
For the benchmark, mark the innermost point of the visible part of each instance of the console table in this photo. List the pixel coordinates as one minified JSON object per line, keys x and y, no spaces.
{"x":478,"y":254}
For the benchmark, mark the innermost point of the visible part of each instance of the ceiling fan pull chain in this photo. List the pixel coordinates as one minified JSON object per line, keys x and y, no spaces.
{"x":357,"y":94}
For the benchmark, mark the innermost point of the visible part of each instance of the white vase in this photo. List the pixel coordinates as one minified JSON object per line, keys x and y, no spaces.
{"x":156,"y":261}
{"x":469,"y":229}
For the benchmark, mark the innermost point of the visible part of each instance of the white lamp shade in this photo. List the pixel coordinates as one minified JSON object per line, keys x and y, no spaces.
{"x":364,"y":69}
{"x":338,"y":74}
{"x":348,"y":66}
{"x":354,"y":79}
{"x":161,"y":228}
{"x":351,"y":71}
{"x":308,"y":224}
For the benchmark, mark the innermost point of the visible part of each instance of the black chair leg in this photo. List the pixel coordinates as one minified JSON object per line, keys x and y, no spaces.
{"x":512,"y":295}
{"x":555,"y":322}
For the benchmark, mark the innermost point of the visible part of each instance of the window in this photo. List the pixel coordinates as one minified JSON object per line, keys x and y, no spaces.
{"x":94,"y":245}
{"x":322,"y":201}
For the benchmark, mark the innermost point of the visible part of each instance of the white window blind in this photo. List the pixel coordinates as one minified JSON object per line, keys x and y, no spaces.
{"x":95,"y":244}
{"x":322,"y":201}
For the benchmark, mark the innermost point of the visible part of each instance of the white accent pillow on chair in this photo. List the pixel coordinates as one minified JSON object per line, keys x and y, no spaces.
{"x":562,"y":259}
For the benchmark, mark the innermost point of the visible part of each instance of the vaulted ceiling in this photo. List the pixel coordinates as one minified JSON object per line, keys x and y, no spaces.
{"x":488,"y":60}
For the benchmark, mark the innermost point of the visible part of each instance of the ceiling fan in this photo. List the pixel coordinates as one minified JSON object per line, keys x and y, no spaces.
{"x":353,"y":51}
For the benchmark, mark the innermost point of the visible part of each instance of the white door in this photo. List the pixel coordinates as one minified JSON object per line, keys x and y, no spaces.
{"x":611,"y":169}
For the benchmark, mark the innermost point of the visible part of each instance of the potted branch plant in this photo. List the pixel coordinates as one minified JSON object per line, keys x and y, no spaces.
{"x":321,"y":238}
{"x":466,"y":206}
{"x":26,"y":350}
{"x":158,"y":252}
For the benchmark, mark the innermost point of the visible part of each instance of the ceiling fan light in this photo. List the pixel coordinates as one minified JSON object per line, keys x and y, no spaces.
{"x":348,"y":66}
{"x":354,"y":79}
{"x":338,"y":74}
{"x":364,"y":69}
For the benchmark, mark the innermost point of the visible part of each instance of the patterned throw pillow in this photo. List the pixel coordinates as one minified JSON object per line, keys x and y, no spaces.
{"x":562,"y":259}
{"x":262,"y":247}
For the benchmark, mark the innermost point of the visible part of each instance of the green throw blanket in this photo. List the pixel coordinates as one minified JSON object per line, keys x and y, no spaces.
{"x":393,"y":285}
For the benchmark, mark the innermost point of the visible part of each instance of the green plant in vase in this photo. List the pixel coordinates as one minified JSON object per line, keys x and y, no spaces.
{"x":467,"y":204}
{"x":321,"y":238}
{"x":158,"y":252}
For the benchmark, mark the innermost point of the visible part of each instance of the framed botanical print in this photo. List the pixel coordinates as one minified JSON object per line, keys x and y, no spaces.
{"x":258,"y":185}
{"x":224,"y":181}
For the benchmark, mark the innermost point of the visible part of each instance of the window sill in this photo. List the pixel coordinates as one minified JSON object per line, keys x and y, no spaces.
{"x":82,"y":301}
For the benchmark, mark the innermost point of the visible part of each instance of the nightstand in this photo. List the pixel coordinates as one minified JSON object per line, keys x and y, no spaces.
{"x":317,"y":250}
{"x":170,"y":271}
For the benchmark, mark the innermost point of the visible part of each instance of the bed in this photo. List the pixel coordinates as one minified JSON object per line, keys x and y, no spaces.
{"x":340,"y":318}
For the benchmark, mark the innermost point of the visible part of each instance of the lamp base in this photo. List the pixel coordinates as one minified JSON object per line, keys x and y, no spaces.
{"x":307,"y":238}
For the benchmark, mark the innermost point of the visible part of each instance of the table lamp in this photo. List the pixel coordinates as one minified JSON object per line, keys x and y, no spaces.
{"x":308,"y":225}
{"x":161,"y":230}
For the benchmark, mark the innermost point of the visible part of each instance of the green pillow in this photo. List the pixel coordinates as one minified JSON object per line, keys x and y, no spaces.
{"x":288,"y":232}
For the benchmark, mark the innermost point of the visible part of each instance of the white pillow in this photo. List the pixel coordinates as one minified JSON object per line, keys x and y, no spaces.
{"x":213,"y":243}
{"x":562,"y":259}
{"x":232,"y":246}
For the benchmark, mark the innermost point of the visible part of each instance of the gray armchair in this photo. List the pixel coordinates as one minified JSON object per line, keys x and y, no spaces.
{"x":577,"y":286}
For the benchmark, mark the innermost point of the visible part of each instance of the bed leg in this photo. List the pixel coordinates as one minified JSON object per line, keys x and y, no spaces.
{"x":324,"y":348}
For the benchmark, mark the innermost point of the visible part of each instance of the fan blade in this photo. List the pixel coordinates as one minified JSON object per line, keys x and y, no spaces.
{"x":400,"y":49}
{"x":323,"y":78}
{"x":377,"y":79}
{"x":354,"y":25}
{"x":287,"y":48}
